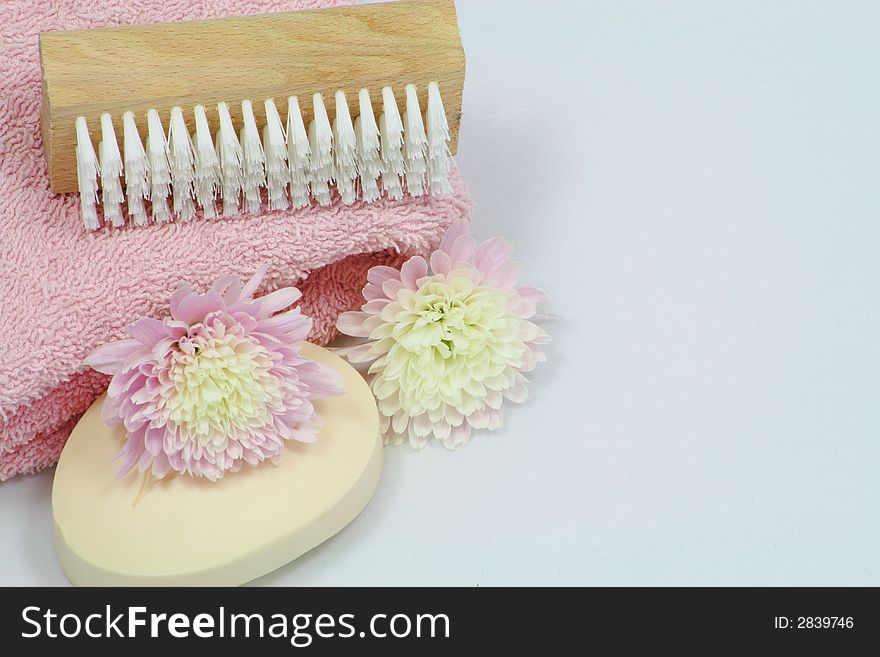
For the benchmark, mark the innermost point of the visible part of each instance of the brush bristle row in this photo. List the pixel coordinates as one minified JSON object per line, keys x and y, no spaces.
{"x":362,"y":158}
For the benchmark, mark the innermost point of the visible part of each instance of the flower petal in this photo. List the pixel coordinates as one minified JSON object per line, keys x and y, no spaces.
{"x":453,"y":233}
{"x":182,"y":291}
{"x":361,"y":353}
{"x":491,"y":255}
{"x":462,"y":250}
{"x":228,"y":287}
{"x":412,"y":270}
{"x":372,"y":292}
{"x":131,"y":452}
{"x":517,"y":393}
{"x":496,"y":419}
{"x":441,"y":263}
{"x":375,"y":307}
{"x":416,"y":441}
{"x":108,"y":358}
{"x":458,"y":437}
{"x":479,"y":419}
{"x":193,"y":308}
{"x":381,"y":273}
{"x":280,"y":299}
{"x":504,"y":276}
{"x":421,"y":425}
{"x":292,"y":325}
{"x":352,"y":323}
{"x":153,"y":439}
{"x":391,"y":288}
{"x":441,"y":430}
{"x":324,"y":381}
{"x":161,"y":465}
{"x":533,"y":294}
{"x":399,"y":421}
{"x":149,"y":331}
{"x":394,"y":439}
{"x":251,"y":286}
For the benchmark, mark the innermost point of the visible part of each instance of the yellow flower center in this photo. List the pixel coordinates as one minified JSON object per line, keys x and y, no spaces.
{"x":452,"y":341}
{"x":220,"y":386}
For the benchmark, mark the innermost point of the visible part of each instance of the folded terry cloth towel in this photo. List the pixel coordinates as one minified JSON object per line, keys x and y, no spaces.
{"x":65,"y":290}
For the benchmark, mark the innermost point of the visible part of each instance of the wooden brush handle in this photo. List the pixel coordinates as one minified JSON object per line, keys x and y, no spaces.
{"x":136,"y":68}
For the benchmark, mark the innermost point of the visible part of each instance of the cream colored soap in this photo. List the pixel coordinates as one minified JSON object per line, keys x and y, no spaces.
{"x":184,"y":531}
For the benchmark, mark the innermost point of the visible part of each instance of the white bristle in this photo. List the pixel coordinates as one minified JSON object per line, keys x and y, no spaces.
{"x":319,"y":175}
{"x":86,"y":174}
{"x":364,"y":158}
{"x":320,"y":144}
{"x":207,"y":165}
{"x":298,"y":154}
{"x":415,"y":144}
{"x":277,"y":173}
{"x":391,"y":134}
{"x":345,"y":151}
{"x":182,"y":166}
{"x":367,"y":137}
{"x":111,"y":171}
{"x":160,"y":168}
{"x":253,"y":160}
{"x":437,"y":129}
{"x":137,"y":170}
{"x":229,"y":154}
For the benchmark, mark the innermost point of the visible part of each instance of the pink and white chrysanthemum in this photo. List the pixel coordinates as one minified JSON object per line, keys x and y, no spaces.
{"x":449,"y":340}
{"x":218,"y":384}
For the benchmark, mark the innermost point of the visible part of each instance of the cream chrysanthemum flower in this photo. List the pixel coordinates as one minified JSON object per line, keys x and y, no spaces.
{"x":217,"y":385}
{"x":448,"y":342}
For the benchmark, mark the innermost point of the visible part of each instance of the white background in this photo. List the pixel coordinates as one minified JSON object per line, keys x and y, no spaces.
{"x":696,"y":186}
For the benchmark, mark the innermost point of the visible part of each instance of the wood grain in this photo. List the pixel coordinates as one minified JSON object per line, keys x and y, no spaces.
{"x":136,"y":68}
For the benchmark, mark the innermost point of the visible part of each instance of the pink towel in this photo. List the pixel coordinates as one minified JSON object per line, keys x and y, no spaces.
{"x":65,"y":291}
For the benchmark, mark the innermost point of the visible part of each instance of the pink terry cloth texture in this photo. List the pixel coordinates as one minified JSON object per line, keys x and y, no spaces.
{"x":65,"y":290}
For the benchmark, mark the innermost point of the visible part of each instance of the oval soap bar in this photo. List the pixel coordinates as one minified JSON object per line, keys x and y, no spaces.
{"x":184,"y":531}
